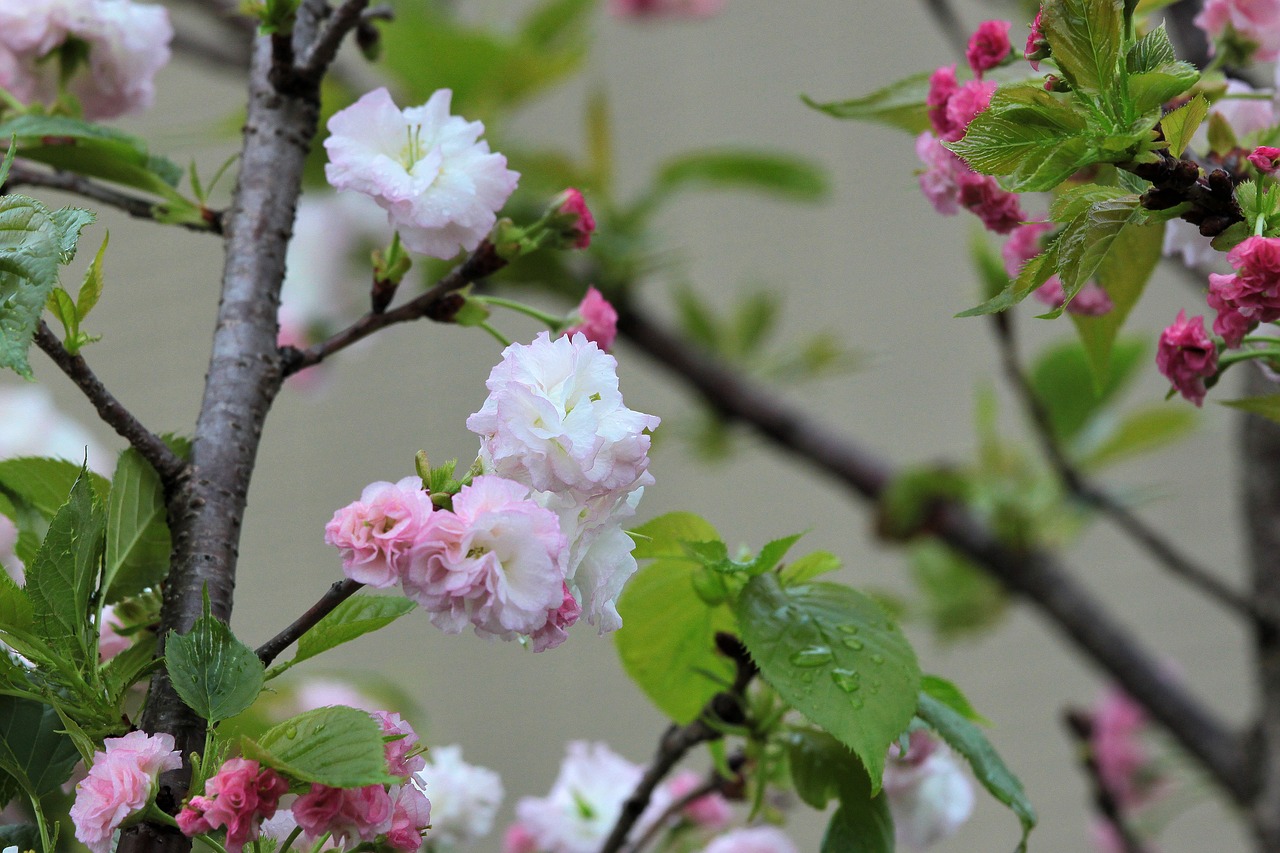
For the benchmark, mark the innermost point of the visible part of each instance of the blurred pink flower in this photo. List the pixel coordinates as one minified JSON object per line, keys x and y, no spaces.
{"x":599,"y":320}
{"x":1257,"y":21}
{"x":988,"y":46}
{"x":671,"y":8}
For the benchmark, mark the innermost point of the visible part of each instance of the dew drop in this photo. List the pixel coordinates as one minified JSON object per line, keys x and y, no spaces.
{"x":848,"y":629}
{"x":856,"y":703}
{"x":813,"y":656}
{"x":853,"y":643}
{"x":846,"y":679}
{"x":877,"y":658}
{"x":291,"y":732}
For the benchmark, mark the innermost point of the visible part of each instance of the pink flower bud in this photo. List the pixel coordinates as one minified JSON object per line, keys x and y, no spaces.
{"x":1265,"y":158}
{"x":572,"y":218}
{"x":1037,"y":47}
{"x":599,"y":320}
{"x":988,"y":46}
{"x":1186,"y":356}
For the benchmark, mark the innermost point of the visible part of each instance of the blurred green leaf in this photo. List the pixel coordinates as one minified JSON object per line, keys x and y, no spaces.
{"x":1267,"y":406}
{"x":1141,"y":431}
{"x":1063,"y":380}
{"x":959,"y":598}
{"x":900,"y":105}
{"x":778,"y":174}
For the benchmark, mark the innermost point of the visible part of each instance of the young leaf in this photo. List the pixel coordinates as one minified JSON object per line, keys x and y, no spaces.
{"x":822,"y":768}
{"x":1141,"y":431}
{"x":336,"y":746}
{"x":91,"y":287}
{"x":1148,"y":91}
{"x":215,"y":674}
{"x":968,"y":740}
{"x":959,"y":598}
{"x":30,"y":246}
{"x":948,"y":694}
{"x":1084,"y":36}
{"x":832,"y":654}
{"x":70,"y":221}
{"x":137,"y":530}
{"x":358,"y":615}
{"x":64,"y":574}
{"x":1267,"y":406}
{"x":900,"y":105}
{"x":808,"y":567}
{"x":1150,"y":52}
{"x":776,"y":174}
{"x":1181,"y":124}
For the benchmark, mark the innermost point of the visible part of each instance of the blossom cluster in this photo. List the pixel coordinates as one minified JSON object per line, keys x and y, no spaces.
{"x":121,"y":783}
{"x":535,"y":540}
{"x":947,"y":181}
{"x":126,"y":42}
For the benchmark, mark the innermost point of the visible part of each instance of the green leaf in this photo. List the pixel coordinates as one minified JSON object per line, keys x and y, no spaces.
{"x":860,"y":826}
{"x":64,"y":574}
{"x":1087,"y":240}
{"x":667,"y":640}
{"x":822,"y":768}
{"x":1148,"y":91}
{"x":30,"y":245}
{"x":1141,"y":431}
{"x":959,"y":598}
{"x":137,"y":530}
{"x":336,"y":746}
{"x":63,"y":308}
{"x":1063,"y":380}
{"x":1084,"y":36}
{"x":554,"y":23}
{"x":70,"y":221}
{"x":809,"y":567}
{"x":969,"y":741}
{"x":665,"y":535}
{"x":358,"y":615}
{"x":32,"y":745}
{"x":1181,"y":124}
{"x":1150,"y":52}
{"x":24,"y":836}
{"x":1267,"y":406}
{"x":215,"y":674}
{"x":1129,"y":255}
{"x":951,"y":696}
{"x":16,"y":613}
{"x":834,"y":655}
{"x":130,"y":666}
{"x":93,"y":150}
{"x":782,"y":175}
{"x":44,"y":483}
{"x":900,"y":105}
{"x":91,"y":287}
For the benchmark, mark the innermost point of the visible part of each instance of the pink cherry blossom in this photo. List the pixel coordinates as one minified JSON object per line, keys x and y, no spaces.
{"x":364,"y":812}
{"x":988,"y":46}
{"x":929,"y":794}
{"x":555,"y":421}
{"x":120,"y":782}
{"x":399,"y":762}
{"x":1090,"y":301}
{"x":464,"y":798}
{"x":964,"y":105}
{"x":1265,"y":158}
{"x":1186,"y":356}
{"x":239,"y":796}
{"x":710,"y":811}
{"x":1023,"y":244}
{"x":376,"y":533}
{"x":518,"y":839}
{"x":1257,"y":21}
{"x":495,"y":562}
{"x":1122,"y":760}
{"x":556,"y":630}
{"x":1037,"y":46}
{"x":670,"y":8}
{"x":110,"y":641}
{"x":982,"y":196}
{"x":410,"y":817}
{"x":942,"y":85}
{"x":599,"y":320}
{"x":940,"y":180}
{"x":440,"y":185}
{"x":572,"y":217}
{"x":754,"y":839}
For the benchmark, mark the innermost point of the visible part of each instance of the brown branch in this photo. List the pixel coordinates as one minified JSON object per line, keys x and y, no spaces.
{"x":135,"y":206}
{"x":168,"y":464}
{"x":1037,"y":575}
{"x":343,"y":21}
{"x":1160,"y":548}
{"x":336,"y":594}
{"x":439,"y":303}
{"x":714,"y":783}
{"x":953,"y":29}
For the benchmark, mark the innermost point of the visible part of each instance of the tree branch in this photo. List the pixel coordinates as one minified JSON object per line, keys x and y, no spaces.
{"x":135,"y":206}
{"x":345,"y":18}
{"x":713,"y":784}
{"x":1035,"y":574}
{"x":1075,"y":482}
{"x":440,"y":303}
{"x":336,"y":594}
{"x":168,"y":465}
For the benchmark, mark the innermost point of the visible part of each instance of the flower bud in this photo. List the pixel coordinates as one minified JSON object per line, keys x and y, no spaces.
{"x":571,"y":219}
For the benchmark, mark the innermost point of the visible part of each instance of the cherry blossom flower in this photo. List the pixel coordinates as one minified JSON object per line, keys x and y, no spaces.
{"x":599,"y":320}
{"x":1252,"y":294}
{"x":376,"y":533}
{"x":1186,"y":356}
{"x":573,"y":219}
{"x":1090,"y":301}
{"x":963,"y":106}
{"x":942,"y":85}
{"x":121,"y":782}
{"x":364,"y":812}
{"x":495,"y":562}
{"x":1037,"y":47}
{"x":585,"y":801}
{"x":929,"y":794}
{"x":556,"y":629}
{"x":518,"y":839}
{"x":1265,"y":158}
{"x":711,"y":811}
{"x":754,"y":839}
{"x":1023,"y":244}
{"x":464,"y":798}
{"x":1123,"y":762}
{"x":239,"y":796}
{"x":399,"y":762}
{"x":670,"y":8}
{"x":988,"y":46}
{"x":410,"y":817}
{"x":940,"y":180}
{"x":1256,"y":21}
{"x":440,"y":185}
{"x":982,"y":196}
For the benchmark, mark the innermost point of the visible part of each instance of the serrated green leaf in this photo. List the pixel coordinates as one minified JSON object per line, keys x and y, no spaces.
{"x":900,"y":105}
{"x":130,"y":666}
{"x":665,"y":535}
{"x":32,"y":745}
{"x":667,"y":640}
{"x":1267,"y":406}
{"x":358,"y":615}
{"x":948,"y":694}
{"x":15,"y":608}
{"x":1031,"y":134}
{"x":1150,"y":52}
{"x":822,"y":768}
{"x":1084,"y":36}
{"x":30,"y":245}
{"x":824,"y":648}
{"x":1068,"y":205}
{"x":62,"y":577}
{"x":70,"y":221}
{"x":91,"y":286}
{"x":775,"y":174}
{"x":1148,"y":91}
{"x":1063,"y":380}
{"x":808,"y":567}
{"x":969,"y":741}
{"x":860,"y":826}
{"x":137,"y":530}
{"x":1141,"y":431}
{"x":337,"y":746}
{"x":1088,"y":239}
{"x":44,"y":483}
{"x":1053,"y":166}
{"x":1181,"y":124}
{"x":215,"y":674}
{"x":1033,"y":273}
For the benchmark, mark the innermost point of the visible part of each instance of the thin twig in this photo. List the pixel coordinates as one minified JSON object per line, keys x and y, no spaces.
{"x":714,"y":783}
{"x":1037,"y":575}
{"x":1079,"y":725}
{"x":336,"y":594}
{"x":1160,"y":548}
{"x":440,"y":303}
{"x":343,"y":20}
{"x":140,"y":208}
{"x":168,"y":464}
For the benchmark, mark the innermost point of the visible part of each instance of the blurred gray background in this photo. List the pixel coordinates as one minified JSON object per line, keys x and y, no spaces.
{"x":875,"y":262}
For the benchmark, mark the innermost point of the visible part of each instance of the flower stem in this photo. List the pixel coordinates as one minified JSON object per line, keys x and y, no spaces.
{"x":552,"y":320}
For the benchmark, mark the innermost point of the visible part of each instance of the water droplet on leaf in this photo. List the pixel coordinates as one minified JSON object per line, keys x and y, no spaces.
{"x":813,"y":656}
{"x":846,"y":679}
